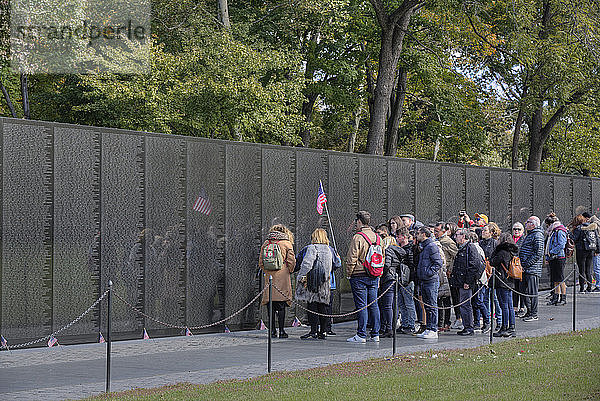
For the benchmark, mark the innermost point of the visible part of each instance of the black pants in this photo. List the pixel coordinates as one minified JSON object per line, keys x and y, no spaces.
{"x":585,"y":263}
{"x":279,"y":309}
{"x":455,"y":301}
{"x":519,"y":300}
{"x":328,"y":310}
{"x":316,"y":320}
{"x":444,"y":314}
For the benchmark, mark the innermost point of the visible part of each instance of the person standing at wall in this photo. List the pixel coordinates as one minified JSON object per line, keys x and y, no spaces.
{"x":277,"y":259}
{"x":587,"y":244}
{"x":410,"y":222}
{"x":500,"y":260}
{"x":555,"y":254}
{"x":313,"y":283}
{"x":406,"y":304}
{"x":393,"y":258}
{"x":464,"y":277}
{"x":430,"y":262}
{"x":531,"y":254}
{"x":364,"y":287}
{"x":518,"y":300}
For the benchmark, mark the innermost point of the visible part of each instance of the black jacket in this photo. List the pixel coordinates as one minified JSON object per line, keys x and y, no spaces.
{"x":394,"y":255}
{"x":488,"y":246}
{"x":500,"y":259}
{"x":465,"y":266}
{"x":409,"y":260}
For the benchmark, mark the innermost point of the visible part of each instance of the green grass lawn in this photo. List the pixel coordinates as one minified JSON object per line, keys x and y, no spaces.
{"x":556,"y":367}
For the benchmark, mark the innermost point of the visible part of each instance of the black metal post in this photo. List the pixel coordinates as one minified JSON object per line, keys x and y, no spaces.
{"x":574,"y":293}
{"x":492,"y":305}
{"x":395,"y":324}
{"x":108,"y":335}
{"x":270,"y":330}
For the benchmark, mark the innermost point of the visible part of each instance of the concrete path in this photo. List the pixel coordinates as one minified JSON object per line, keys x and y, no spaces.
{"x":77,"y":371}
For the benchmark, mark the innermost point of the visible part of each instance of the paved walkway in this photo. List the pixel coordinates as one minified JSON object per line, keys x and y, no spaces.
{"x":78,"y":371}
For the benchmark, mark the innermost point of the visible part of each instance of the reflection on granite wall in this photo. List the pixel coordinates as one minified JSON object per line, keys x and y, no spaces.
{"x":85,"y":205}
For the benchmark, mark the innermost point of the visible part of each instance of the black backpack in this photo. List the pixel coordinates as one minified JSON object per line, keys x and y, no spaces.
{"x":316,"y":276}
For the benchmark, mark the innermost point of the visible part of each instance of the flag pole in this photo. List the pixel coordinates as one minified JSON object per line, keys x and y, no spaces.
{"x":329,"y":219}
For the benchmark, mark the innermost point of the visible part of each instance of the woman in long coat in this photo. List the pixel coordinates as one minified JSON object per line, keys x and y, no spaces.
{"x":283,"y":237}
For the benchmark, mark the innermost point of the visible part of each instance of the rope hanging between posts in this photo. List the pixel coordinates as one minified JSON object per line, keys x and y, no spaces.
{"x":539,"y":294}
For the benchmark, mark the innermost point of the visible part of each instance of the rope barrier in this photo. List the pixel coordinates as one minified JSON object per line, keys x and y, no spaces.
{"x":443,"y":307}
{"x":46,"y":338}
{"x":174,"y":326}
{"x":585,"y":279}
{"x":539,"y":294}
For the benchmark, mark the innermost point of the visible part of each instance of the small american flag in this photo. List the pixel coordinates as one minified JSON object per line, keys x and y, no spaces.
{"x":321,"y":198}
{"x":262,"y":326}
{"x":3,"y":342}
{"x":202,"y":204}
{"x":296,"y":322}
{"x":188,"y":332}
{"x":227,"y":330}
{"x":101,"y":338}
{"x":52,"y":341}
{"x":146,"y":336}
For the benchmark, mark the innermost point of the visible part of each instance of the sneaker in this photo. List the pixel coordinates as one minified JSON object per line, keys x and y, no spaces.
{"x":422,"y":335}
{"x":421,"y":330}
{"x":477,"y":329}
{"x":521,"y":313}
{"x":283,"y":334}
{"x":430,"y":335}
{"x":406,"y":330}
{"x":375,"y":339}
{"x":331,"y":333}
{"x":308,"y":335}
{"x":357,"y":339}
{"x":387,"y":334}
{"x":321,"y":336}
{"x":596,"y":289}
{"x":485,"y":328}
{"x":466,"y":333}
{"x":530,"y":319}
{"x":457,"y":324}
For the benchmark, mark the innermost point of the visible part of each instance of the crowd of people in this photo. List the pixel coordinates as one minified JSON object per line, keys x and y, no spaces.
{"x":443,"y":268}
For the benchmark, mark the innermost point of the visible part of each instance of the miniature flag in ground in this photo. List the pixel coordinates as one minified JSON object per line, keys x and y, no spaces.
{"x":101,"y":338}
{"x":146,"y":336}
{"x":296,"y":322}
{"x":3,"y":342}
{"x":188,"y":333}
{"x":227,"y":330}
{"x":202,"y":204}
{"x":52,"y":341}
{"x":321,"y":198}
{"x":262,"y":325}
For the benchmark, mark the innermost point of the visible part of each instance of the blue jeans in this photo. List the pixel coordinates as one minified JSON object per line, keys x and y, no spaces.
{"x":386,"y":306}
{"x":505,"y":300}
{"x":597,"y":269}
{"x":480,"y":308}
{"x":498,"y":308}
{"x":406,"y":306}
{"x":364,"y":291}
{"x":429,"y":292}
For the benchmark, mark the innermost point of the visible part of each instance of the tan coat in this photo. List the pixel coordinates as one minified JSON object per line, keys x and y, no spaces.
{"x":357,"y":252}
{"x":281,"y":278}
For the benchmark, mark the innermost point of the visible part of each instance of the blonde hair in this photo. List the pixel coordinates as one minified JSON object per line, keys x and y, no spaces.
{"x":283,"y":229}
{"x":387,"y":241}
{"x":494,"y":230}
{"x":319,"y":236}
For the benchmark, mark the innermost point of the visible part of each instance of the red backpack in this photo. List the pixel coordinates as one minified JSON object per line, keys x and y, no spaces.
{"x":374,"y":261}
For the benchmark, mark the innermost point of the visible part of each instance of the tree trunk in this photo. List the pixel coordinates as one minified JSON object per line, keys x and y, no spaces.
{"x":517,"y":131}
{"x":307,"y":112}
{"x":224,"y":14}
{"x":391,"y":145}
{"x":25,"y":96}
{"x":393,"y":30}
{"x":8,"y":101}
{"x":354,"y":133}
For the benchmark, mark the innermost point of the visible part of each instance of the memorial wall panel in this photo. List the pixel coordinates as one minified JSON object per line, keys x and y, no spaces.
{"x":453,"y":192}
{"x":596,"y":197}
{"x":124,"y":235}
{"x":477,"y":191}
{"x":401,"y":187}
{"x":278,"y":189}
{"x":165,"y":209}
{"x":582,"y":195}
{"x":522,"y":194}
{"x":243,"y":230}
{"x":76,"y":279}
{"x":543,"y":195}
{"x":500,"y":199}
{"x":372,"y":178}
{"x":563,"y":198}
{"x":205,"y":225}
{"x":428,"y":192}
{"x":27,"y":274}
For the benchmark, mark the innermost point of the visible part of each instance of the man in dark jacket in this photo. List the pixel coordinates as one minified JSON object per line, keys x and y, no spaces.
{"x":464,"y":277}
{"x":531,"y":254}
{"x":430,"y":262}
{"x":406,"y":305}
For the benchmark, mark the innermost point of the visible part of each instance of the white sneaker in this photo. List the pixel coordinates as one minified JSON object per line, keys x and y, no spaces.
{"x":375,"y":339}
{"x":430,"y":335}
{"x":357,"y":339}
{"x":423,"y":334}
